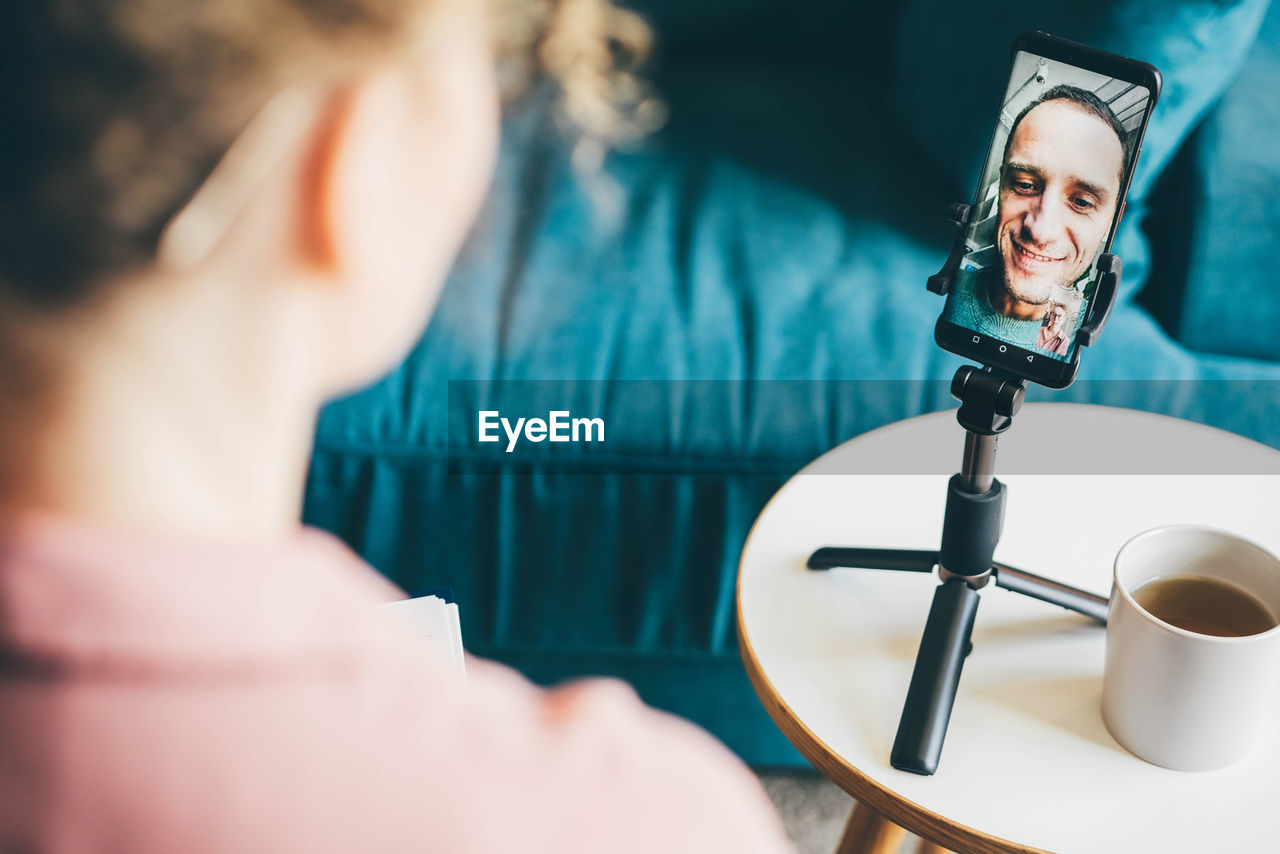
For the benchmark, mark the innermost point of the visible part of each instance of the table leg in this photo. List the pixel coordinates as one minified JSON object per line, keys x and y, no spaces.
{"x":927,"y":847}
{"x":868,"y":832}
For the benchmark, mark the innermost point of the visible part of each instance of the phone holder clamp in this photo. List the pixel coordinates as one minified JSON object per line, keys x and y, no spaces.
{"x":940,"y":282}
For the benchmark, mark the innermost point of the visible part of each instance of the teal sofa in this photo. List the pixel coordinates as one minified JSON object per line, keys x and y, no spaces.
{"x":746,"y":290}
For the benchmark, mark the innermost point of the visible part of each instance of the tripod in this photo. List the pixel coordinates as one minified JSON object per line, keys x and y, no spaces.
{"x":971,"y":529}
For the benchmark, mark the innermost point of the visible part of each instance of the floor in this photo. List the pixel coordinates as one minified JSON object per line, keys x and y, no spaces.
{"x":813,"y":810}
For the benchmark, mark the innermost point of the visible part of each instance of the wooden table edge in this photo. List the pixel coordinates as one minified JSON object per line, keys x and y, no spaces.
{"x":906,"y":813}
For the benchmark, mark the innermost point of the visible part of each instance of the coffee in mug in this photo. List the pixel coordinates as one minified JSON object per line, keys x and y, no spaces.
{"x":1207,"y":606}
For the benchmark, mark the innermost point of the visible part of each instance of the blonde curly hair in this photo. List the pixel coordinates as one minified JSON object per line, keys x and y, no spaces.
{"x":113,"y":112}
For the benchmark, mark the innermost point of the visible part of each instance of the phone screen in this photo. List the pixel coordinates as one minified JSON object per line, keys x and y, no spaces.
{"x":1049,"y":199}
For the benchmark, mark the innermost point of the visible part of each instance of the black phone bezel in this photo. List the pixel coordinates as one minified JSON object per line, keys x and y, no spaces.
{"x":1041,"y":368}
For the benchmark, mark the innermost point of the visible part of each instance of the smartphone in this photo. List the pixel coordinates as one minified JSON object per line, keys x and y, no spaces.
{"x":1066,"y":140}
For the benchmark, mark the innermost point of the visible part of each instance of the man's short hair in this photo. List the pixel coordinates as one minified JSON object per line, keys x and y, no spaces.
{"x":1085,"y":100}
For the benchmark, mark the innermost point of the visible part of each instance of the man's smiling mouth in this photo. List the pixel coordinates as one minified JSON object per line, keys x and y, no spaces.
{"x":1027,"y":258}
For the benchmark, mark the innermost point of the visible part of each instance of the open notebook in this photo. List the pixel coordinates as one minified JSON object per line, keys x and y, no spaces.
{"x":434,"y":617}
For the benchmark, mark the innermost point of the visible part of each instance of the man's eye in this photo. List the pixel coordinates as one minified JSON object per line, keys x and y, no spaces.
{"x":1081,"y":203}
{"x":1023,"y":186}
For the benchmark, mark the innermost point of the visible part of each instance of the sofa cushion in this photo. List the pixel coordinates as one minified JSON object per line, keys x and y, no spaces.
{"x":1219,"y":224}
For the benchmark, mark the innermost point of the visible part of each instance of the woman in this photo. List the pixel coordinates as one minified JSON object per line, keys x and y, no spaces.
{"x":217,"y":214}
{"x":1053,"y":335}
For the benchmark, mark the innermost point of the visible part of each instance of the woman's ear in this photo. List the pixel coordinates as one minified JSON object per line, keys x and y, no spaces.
{"x":317,"y":240}
{"x":346,"y":200}
{"x":388,"y":184}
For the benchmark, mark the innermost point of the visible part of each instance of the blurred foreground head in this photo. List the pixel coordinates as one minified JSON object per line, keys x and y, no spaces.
{"x":316,"y":159}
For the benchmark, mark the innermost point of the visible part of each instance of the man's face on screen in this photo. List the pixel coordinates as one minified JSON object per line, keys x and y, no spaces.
{"x":1058,"y":189}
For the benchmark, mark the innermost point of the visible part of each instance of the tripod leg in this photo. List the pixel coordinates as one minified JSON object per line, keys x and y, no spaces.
{"x":925,"y":715}
{"x":909,"y":560}
{"x":1053,"y":592}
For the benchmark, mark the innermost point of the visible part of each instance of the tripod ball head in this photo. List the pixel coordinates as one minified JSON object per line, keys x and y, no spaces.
{"x":988,"y":401}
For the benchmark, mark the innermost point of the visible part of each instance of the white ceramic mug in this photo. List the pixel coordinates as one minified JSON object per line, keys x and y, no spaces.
{"x":1189,"y":701}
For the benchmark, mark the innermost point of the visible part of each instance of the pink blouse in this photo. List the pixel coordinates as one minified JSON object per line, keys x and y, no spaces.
{"x":173,"y":696}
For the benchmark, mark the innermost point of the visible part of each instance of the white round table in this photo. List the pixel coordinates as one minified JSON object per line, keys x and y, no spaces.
{"x":1028,"y":763}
